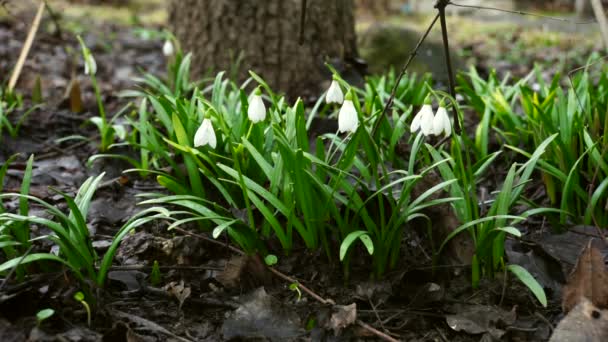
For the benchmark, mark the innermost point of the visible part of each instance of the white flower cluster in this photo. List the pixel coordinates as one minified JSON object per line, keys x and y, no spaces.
{"x":205,"y":134}
{"x":426,"y":121}
{"x":348,"y":119}
{"x":432,"y":124}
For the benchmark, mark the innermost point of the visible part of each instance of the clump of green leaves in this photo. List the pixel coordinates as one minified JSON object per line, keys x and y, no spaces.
{"x":574,"y":168}
{"x":69,"y":232}
{"x":108,"y":129}
{"x":11,"y":103}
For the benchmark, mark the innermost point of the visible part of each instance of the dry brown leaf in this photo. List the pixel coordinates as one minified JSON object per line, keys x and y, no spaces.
{"x":179,"y":291}
{"x":245,"y":272}
{"x":344,"y":316}
{"x":585,"y":322}
{"x":75,"y":96}
{"x":588,"y":279}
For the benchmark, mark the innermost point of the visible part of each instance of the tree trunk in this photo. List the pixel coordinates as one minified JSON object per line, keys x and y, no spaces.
{"x":583,"y":9}
{"x":263,"y":36}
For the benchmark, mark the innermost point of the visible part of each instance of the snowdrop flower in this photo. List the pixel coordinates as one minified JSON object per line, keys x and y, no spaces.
{"x":423,"y":121}
{"x":205,"y":135}
{"x":348,"y":120}
{"x":256,"y":111}
{"x":90,"y":67}
{"x":441,"y":122}
{"x":168,"y":49}
{"x":334,"y":93}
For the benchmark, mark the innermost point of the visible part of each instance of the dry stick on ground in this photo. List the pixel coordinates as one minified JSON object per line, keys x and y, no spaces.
{"x":26,"y":48}
{"x":287,"y":278}
{"x":391,"y":98}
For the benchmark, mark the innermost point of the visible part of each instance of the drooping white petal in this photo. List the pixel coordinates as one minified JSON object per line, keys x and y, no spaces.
{"x":205,"y":135}
{"x":423,"y":120}
{"x":441,"y":122}
{"x":90,"y":66}
{"x":415,"y":126}
{"x":257,"y":109}
{"x":168,"y":49}
{"x":348,"y":121}
{"x":334,"y":93}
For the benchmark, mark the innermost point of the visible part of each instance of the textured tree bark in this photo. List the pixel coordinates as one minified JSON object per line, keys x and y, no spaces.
{"x":263,"y":36}
{"x":583,"y":9}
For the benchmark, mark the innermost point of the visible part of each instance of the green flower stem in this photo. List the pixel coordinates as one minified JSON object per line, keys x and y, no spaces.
{"x":102,"y":114}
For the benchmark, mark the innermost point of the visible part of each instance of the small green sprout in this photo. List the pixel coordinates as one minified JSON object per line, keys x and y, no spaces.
{"x":271,"y":260}
{"x":155,"y":276}
{"x":295,"y":287}
{"x":43,"y":314}
{"x":79,"y":296}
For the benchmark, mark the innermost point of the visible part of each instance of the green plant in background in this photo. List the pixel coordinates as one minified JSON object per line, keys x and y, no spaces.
{"x":70,"y":233}
{"x":271,"y":183}
{"x":15,"y":235}
{"x":495,"y":102}
{"x":108,"y":130}
{"x":393,"y":208}
{"x":574,"y":168}
{"x":10,"y":103}
{"x":488,"y":228}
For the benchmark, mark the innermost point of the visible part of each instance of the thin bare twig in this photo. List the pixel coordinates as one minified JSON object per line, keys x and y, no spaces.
{"x":302,"y":287}
{"x":26,"y":48}
{"x":391,"y":99}
{"x":523,"y":13}
{"x":441,"y":4}
{"x":294,"y":281}
{"x":276,"y":272}
{"x":376,"y":331}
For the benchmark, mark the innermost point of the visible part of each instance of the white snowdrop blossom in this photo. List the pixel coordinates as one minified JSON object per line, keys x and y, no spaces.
{"x":348,"y":120}
{"x":257,"y":110}
{"x":168,"y":48}
{"x":441,"y":122}
{"x":205,"y":135}
{"x":90,"y":66}
{"x":334,"y":93}
{"x":423,"y":121}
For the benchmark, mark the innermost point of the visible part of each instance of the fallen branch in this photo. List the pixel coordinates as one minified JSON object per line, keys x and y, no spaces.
{"x":391,"y":98}
{"x":26,"y":48}
{"x":293,"y":281}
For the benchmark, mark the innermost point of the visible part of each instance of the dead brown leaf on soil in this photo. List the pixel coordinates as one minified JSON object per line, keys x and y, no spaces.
{"x":245,"y":272}
{"x":585,"y":322}
{"x":587,"y":280}
{"x":343,"y":317}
